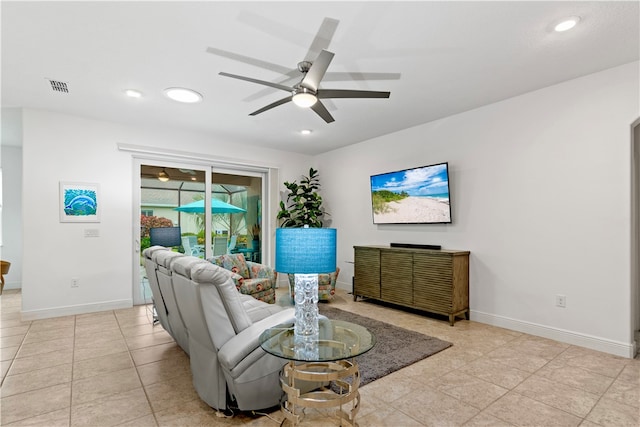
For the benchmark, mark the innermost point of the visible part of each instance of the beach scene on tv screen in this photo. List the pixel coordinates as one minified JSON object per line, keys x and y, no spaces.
{"x":419,"y":195}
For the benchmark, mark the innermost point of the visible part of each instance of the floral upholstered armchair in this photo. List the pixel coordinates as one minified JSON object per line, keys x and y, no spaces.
{"x":326,"y":285}
{"x":250,"y":278}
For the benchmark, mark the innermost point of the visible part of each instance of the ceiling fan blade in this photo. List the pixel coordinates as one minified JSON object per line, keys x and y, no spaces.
{"x":272,"y":105}
{"x":260,"y":82}
{"x":316,"y":72}
{"x":249,"y":60}
{"x":283,"y":30}
{"x":322,"y":38}
{"x":333,"y":76}
{"x":291,"y":78}
{"x":345,"y":93}
{"x":322,"y":111}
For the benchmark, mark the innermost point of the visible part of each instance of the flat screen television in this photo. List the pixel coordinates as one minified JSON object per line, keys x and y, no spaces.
{"x":412,"y":196}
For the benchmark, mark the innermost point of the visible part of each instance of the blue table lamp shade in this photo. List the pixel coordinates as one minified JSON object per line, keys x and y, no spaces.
{"x":305,"y":252}
{"x":165,"y":236}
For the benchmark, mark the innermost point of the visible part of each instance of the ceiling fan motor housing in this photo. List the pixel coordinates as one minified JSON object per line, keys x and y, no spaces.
{"x":298,"y":89}
{"x":304,"y":66}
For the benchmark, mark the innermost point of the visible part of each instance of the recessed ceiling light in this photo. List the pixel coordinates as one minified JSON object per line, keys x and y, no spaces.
{"x":305,"y":131}
{"x":132,"y":93}
{"x":567,"y":24}
{"x":181,"y":94}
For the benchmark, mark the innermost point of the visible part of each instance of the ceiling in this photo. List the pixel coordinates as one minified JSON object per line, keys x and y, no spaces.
{"x":436,"y":58}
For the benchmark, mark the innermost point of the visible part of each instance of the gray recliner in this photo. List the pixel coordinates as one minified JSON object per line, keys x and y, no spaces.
{"x":208,"y":378}
{"x":152,"y":275}
{"x":252,"y":375}
{"x":177,"y":329}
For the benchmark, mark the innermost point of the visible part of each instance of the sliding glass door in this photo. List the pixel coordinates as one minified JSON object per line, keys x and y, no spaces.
{"x":174,"y":195}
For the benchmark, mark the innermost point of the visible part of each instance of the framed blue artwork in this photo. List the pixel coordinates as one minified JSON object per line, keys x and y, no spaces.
{"x":79,"y":202}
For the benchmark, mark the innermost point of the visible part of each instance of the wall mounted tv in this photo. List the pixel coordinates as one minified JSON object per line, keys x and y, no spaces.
{"x":412,"y":196}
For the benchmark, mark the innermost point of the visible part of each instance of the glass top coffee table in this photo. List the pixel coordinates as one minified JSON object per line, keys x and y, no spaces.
{"x":322,"y":372}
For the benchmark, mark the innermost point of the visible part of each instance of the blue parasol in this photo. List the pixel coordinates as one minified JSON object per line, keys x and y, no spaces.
{"x":217,"y":206}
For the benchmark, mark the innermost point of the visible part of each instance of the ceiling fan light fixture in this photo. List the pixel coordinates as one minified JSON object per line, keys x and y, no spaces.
{"x":304,"y":98}
{"x":184,"y":95}
{"x":163,"y":176}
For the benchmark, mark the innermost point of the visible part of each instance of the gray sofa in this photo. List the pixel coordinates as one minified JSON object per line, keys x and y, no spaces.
{"x":162,"y":267}
{"x":198,"y":304}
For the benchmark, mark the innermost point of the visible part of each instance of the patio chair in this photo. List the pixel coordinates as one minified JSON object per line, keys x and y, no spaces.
{"x":219,"y":245}
{"x":232,"y":243}
{"x":190,"y":245}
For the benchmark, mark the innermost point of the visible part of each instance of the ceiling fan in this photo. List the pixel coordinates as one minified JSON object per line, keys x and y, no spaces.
{"x":307,"y":92}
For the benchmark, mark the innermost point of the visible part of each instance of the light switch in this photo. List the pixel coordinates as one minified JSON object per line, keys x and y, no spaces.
{"x":91,"y":232}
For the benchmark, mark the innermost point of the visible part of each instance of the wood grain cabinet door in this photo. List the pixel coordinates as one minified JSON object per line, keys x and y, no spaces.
{"x":433,"y":282}
{"x":396,"y":283}
{"x":366,"y":281}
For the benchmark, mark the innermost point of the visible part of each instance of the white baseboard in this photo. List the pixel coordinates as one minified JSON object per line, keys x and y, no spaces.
{"x":583,"y":340}
{"x":345,"y":286}
{"x":12,"y":285}
{"x":617,"y":348}
{"x":75,"y":309}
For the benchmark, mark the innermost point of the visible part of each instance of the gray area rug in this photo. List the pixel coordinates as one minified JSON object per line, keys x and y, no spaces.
{"x":395,"y":347}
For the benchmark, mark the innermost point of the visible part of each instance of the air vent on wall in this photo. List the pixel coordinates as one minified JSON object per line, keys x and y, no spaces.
{"x":58,"y":86}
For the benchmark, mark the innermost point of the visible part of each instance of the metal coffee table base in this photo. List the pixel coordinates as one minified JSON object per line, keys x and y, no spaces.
{"x":343,"y":377}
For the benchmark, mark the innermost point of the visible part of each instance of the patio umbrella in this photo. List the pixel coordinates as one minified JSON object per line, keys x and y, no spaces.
{"x":217,"y":206}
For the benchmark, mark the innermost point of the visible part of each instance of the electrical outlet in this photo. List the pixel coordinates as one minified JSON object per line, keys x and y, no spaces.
{"x":561,"y":301}
{"x":75,"y":282}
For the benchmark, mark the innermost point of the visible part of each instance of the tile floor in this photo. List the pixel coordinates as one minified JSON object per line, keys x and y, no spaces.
{"x":115,"y":368}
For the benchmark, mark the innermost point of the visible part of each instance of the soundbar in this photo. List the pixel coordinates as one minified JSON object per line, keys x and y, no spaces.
{"x":414,"y":246}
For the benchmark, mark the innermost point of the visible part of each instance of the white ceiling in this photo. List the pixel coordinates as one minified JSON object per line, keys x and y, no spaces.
{"x":439,"y":59}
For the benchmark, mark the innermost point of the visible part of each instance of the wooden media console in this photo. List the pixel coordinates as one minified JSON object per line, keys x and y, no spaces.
{"x":436,"y":281}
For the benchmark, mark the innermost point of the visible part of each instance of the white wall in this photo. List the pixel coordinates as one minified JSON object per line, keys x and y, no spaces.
{"x":11,"y":249}
{"x":66,"y":148}
{"x":540,"y":190}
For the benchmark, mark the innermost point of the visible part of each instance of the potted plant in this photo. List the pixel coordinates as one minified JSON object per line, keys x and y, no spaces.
{"x":303,"y":206}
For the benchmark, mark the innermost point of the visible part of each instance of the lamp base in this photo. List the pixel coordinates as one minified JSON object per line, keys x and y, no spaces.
{"x":306,"y":309}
